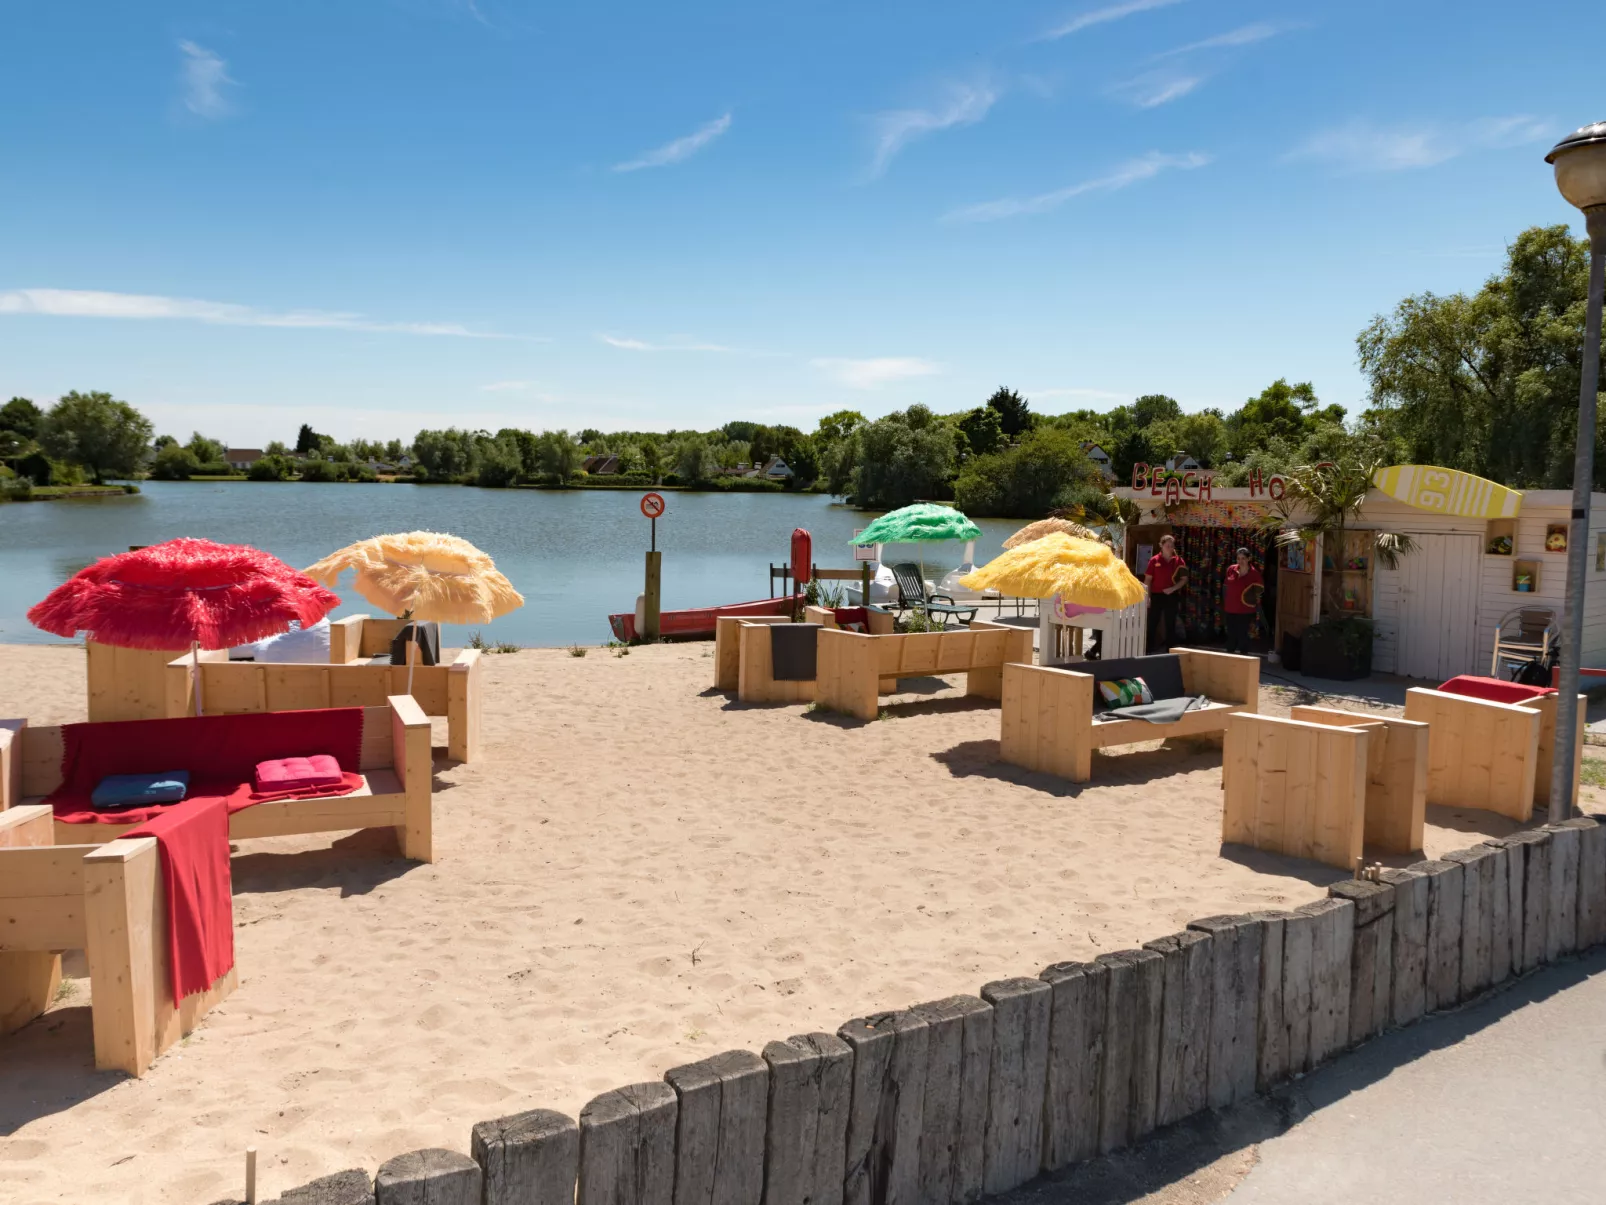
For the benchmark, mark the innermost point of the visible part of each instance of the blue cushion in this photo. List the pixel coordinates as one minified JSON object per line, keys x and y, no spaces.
{"x":140,"y":790}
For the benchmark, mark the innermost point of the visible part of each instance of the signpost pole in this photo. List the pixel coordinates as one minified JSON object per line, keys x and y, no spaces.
{"x":652,"y":505}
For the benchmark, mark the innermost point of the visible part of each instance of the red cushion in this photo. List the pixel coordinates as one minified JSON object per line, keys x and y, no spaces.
{"x":297,"y":773}
{"x":1493,"y":689}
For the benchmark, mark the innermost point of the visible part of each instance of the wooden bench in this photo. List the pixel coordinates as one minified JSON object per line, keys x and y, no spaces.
{"x":854,"y":667}
{"x":1294,"y":787}
{"x":1396,"y":774}
{"x":1047,"y":721}
{"x":755,"y":672}
{"x":138,"y":684}
{"x":1495,"y":757}
{"x":395,"y":762}
{"x":108,"y":901}
{"x":727,"y":645}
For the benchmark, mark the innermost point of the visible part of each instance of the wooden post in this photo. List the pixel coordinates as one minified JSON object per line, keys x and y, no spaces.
{"x":1535,"y":850}
{"x":1446,"y":899}
{"x":1371,"y":956}
{"x":428,"y":1177}
{"x":953,"y":1124}
{"x":627,"y":1147}
{"x":864,"y":584}
{"x":1184,"y":1055}
{"x":1591,"y":881}
{"x":890,"y":1052}
{"x":1561,"y":921}
{"x":1332,"y":943}
{"x":1271,"y":1040}
{"x":250,"y":1175}
{"x":649,"y":625}
{"x":1408,"y":997}
{"x":1075,"y":1061}
{"x":1234,"y":1007}
{"x":528,"y":1159}
{"x":719,"y":1129}
{"x":1477,"y":917}
{"x":1019,"y":1072}
{"x":810,"y":1087}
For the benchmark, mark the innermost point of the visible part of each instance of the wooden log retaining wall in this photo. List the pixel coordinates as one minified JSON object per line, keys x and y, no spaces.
{"x":948,"y":1102}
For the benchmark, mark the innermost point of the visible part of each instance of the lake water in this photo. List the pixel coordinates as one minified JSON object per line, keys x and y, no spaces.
{"x":575,"y":555}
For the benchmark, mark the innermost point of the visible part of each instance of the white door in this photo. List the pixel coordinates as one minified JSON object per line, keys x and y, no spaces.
{"x":1439,"y":585}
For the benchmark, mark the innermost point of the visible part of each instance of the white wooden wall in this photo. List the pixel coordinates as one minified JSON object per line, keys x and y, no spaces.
{"x":1495,"y":596}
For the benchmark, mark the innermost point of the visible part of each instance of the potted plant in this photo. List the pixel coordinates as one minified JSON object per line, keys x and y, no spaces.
{"x":1321,"y":502}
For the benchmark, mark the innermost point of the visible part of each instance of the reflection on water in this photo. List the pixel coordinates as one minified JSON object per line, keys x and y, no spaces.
{"x":575,"y":555}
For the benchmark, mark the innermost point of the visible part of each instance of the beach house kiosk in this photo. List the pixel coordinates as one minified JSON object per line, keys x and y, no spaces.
{"x":1435,"y":615}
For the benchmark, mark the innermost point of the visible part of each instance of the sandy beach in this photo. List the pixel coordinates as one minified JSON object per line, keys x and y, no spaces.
{"x":638,"y":874}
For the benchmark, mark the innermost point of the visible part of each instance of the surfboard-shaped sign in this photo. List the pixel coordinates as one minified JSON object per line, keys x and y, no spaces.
{"x":1448,"y":491}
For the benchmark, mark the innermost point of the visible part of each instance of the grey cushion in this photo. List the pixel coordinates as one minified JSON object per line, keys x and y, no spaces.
{"x":793,"y":650}
{"x":1162,"y":671}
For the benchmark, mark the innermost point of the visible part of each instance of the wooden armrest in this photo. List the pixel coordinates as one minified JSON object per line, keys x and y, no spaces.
{"x":465,"y":660}
{"x":11,"y":763}
{"x":27,"y":825}
{"x":414,"y":764}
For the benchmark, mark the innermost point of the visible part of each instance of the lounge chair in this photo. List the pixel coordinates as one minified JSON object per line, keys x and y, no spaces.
{"x":912,"y":596}
{"x":393,"y":762}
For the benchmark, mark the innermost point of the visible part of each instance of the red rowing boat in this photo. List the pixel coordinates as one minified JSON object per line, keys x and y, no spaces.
{"x":697,"y":623}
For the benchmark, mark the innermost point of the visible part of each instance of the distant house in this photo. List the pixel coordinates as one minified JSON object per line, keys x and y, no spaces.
{"x":600,"y":466}
{"x":242,"y":458}
{"x":1182,"y":463}
{"x":1098,"y":456}
{"x":775,"y":469}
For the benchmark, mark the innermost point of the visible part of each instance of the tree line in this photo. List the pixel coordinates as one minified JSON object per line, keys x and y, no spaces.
{"x":1486,"y":383}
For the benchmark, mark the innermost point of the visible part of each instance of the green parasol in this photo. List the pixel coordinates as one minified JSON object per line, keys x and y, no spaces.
{"x":922,"y":522}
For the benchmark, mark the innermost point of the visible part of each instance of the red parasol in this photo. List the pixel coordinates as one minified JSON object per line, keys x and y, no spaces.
{"x":802,"y":556}
{"x":184,"y":591}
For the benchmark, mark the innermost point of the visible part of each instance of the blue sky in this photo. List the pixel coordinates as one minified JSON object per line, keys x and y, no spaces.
{"x":378,"y":216}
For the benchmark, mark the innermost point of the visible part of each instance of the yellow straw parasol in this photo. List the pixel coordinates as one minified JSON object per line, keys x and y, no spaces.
{"x":1085,"y":572}
{"x":1043,"y":527}
{"x":423,"y":575}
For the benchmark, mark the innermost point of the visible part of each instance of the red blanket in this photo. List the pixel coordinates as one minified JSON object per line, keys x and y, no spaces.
{"x":221,"y":753}
{"x":193,"y":839}
{"x":1494,"y":689}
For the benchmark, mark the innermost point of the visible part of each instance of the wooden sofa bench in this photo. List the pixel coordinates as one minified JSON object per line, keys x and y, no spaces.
{"x":1396,"y":774}
{"x":1050,"y":721}
{"x":395,"y":762}
{"x":108,"y":901}
{"x":755,"y":670}
{"x":1491,"y":756}
{"x":853,"y":667}
{"x":136,"y":684}
{"x":1295,"y":787}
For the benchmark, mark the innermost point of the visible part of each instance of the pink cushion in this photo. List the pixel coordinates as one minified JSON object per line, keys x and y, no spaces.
{"x":297,"y":773}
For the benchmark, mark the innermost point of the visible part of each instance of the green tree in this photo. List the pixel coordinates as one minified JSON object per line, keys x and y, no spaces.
{"x":21,"y":416}
{"x":1489,"y":383}
{"x":838,"y":425}
{"x":652,"y":458}
{"x":394,"y":450}
{"x":559,"y":454}
{"x":1154,"y":408}
{"x":983,"y":430}
{"x":694,"y":460}
{"x":175,"y":462}
{"x":1014,"y":415}
{"x":207,"y":451}
{"x":276,"y":447}
{"x":318,"y":468}
{"x":528,"y":448}
{"x":97,"y":432}
{"x":445,"y":455}
{"x":1044,"y":471}
{"x":1281,"y":411}
{"x":500,"y":461}
{"x":309,"y":441}
{"x":275,"y":466}
{"x":907,"y":455}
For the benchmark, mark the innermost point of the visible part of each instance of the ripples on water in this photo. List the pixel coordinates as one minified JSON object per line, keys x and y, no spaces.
{"x":575,"y":555}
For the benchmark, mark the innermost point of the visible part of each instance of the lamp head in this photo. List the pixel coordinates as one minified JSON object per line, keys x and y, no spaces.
{"x":1580,"y":161}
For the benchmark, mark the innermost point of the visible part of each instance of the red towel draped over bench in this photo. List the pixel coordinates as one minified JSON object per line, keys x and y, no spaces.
{"x":1493,"y":689}
{"x":193,"y":840}
{"x":221,"y":753}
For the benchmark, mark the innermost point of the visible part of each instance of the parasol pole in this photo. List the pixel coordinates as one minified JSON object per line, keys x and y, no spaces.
{"x":195,"y":674}
{"x":412,"y":658}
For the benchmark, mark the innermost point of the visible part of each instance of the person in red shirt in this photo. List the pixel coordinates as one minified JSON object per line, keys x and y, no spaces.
{"x":1165,"y":593}
{"x":1239,"y":613}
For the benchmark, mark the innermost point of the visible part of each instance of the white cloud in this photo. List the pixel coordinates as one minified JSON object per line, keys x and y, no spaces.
{"x":82,"y":303}
{"x":1155,"y":88}
{"x":1102,"y":16}
{"x":896,"y":128}
{"x":1132,"y":172}
{"x":1246,"y":35}
{"x":874,"y":373}
{"x":676,"y":343}
{"x":1360,"y":146}
{"x":204,"y":75}
{"x":680,"y":148}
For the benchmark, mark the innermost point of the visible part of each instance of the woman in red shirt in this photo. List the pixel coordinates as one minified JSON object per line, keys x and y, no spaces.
{"x":1161,"y":575}
{"x":1239,"y":612}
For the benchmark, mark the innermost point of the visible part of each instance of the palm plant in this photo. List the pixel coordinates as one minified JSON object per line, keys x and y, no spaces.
{"x":1324,"y":500}
{"x":1102,"y":511}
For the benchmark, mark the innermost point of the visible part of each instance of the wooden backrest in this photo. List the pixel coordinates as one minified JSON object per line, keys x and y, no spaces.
{"x":981,"y":646}
{"x":1224,"y":677}
{"x":911,"y":586}
{"x":1481,"y":754}
{"x":1295,"y":788}
{"x":1396,"y":773}
{"x":245,"y":687}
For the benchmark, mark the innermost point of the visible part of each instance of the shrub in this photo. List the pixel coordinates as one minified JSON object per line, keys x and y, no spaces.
{"x":321,"y":470}
{"x":175,"y":462}
{"x":270,"y":468}
{"x":16,"y":489}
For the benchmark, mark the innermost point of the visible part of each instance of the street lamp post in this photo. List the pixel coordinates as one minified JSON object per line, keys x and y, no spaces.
{"x":1580,"y":161}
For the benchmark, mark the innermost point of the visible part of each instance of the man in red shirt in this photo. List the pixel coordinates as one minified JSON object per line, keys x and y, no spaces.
{"x":1239,"y":611}
{"x":1165,"y":593}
